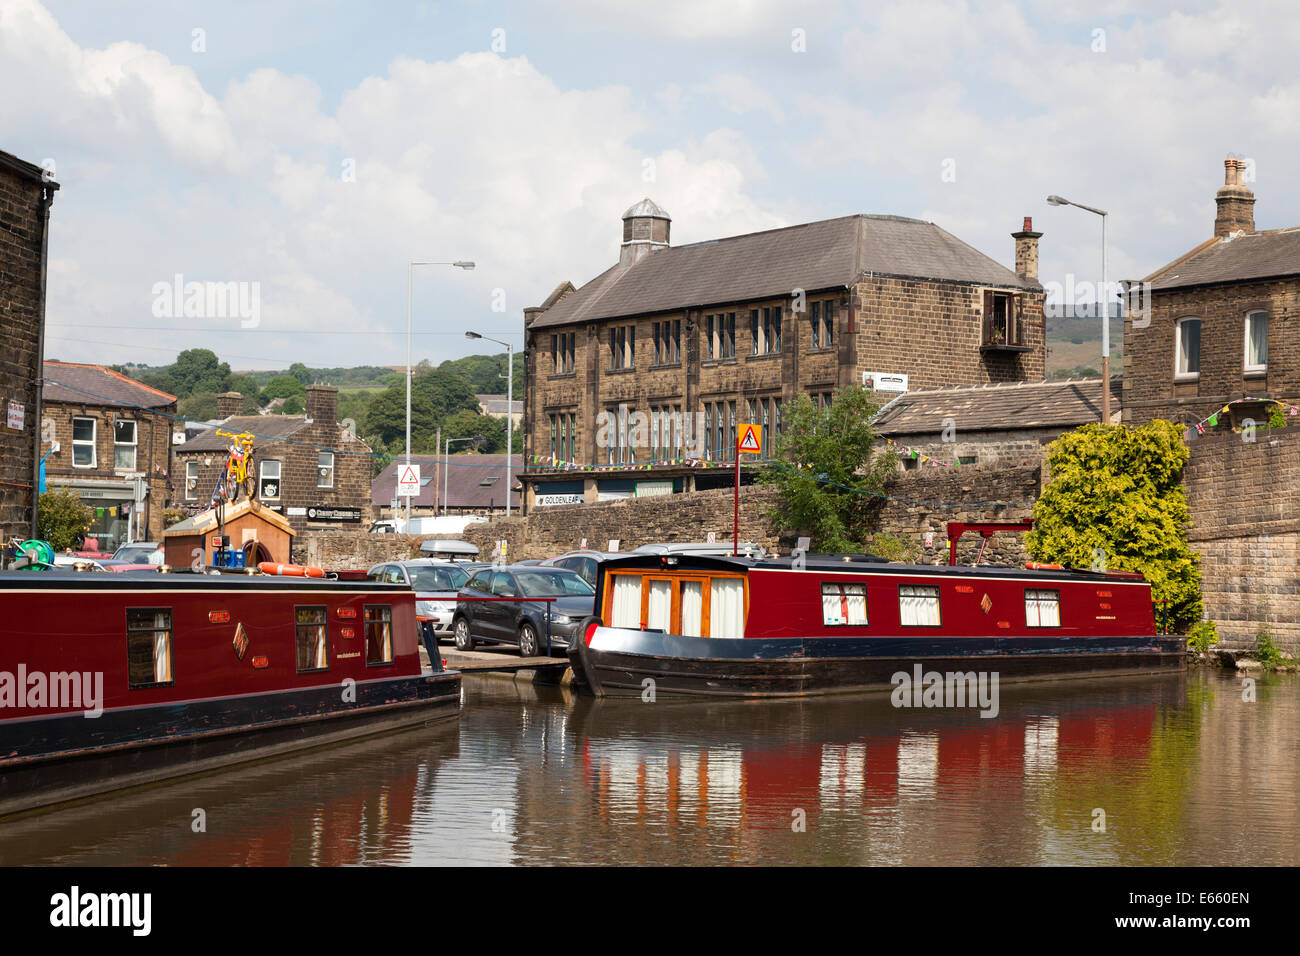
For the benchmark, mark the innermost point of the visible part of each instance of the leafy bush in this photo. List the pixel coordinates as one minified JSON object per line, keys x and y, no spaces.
{"x":1266,"y":652}
{"x":63,"y":518}
{"x":1115,"y":492}
{"x":1203,"y":636}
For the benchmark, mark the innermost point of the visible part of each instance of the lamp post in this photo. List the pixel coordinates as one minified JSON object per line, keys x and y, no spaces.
{"x":410,"y":268}
{"x":446,"y":465}
{"x":1103,"y":306}
{"x":510,"y":406}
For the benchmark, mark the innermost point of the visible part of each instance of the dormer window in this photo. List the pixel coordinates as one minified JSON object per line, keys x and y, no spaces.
{"x":1256,"y":360}
{"x":1187,"y":349}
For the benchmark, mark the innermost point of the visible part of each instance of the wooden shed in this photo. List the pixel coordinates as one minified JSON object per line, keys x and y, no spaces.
{"x":262,"y":534}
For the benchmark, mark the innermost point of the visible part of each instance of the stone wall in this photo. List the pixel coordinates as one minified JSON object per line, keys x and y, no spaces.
{"x":352,"y":549}
{"x":1246,"y":527}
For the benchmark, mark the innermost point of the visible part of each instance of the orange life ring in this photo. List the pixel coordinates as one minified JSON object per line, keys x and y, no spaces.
{"x":293,"y":570}
{"x":1039,"y":566}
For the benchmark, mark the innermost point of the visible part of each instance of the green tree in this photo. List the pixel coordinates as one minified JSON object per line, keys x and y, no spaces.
{"x":198,"y":370}
{"x":63,"y":518}
{"x":199,"y":407}
{"x":302,"y":373}
{"x":283,"y":386}
{"x":435,"y":395}
{"x":829,"y":474}
{"x":1115,"y":495}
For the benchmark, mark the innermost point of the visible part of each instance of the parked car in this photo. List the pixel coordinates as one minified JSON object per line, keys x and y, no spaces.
{"x":522,"y":621}
{"x":140,"y":552}
{"x":583,"y":562}
{"x":436,"y":584}
{"x":383,"y":527}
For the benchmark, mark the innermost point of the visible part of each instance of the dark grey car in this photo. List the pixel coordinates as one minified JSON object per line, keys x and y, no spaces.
{"x":502,"y":606}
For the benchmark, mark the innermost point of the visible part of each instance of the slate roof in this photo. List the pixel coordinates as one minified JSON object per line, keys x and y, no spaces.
{"x":828,"y":254}
{"x":75,"y":384}
{"x":23,"y":168}
{"x":1257,"y":255}
{"x":206,"y":521}
{"x":465,"y":477}
{"x":264,"y":427}
{"x":1015,"y":406}
{"x":496,"y":404}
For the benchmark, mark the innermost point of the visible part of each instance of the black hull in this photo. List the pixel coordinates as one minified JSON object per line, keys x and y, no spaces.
{"x":807,"y":668}
{"x":51,"y":761}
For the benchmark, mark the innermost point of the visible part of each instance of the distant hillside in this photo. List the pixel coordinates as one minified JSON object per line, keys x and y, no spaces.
{"x":1074,"y":341}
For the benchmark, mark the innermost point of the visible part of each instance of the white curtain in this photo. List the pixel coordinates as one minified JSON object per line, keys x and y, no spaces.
{"x":1042,"y":608}
{"x":832,"y":612}
{"x":627,"y":601}
{"x":919,"y":606}
{"x":661,"y":606}
{"x":162,"y":657}
{"x":321,"y":660}
{"x":726,"y":607}
{"x":844,"y":604}
{"x":692,"y":608}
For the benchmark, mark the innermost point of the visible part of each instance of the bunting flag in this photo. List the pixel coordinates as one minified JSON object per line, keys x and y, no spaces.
{"x":1212,"y":420}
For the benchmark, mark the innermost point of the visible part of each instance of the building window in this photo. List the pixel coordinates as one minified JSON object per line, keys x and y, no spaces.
{"x":563,"y":347}
{"x":966,"y":459}
{"x":1187,"y":348}
{"x":822,"y":321}
{"x":564,"y":433}
{"x":622,"y":346}
{"x":666,"y":432}
{"x":83,"y":442}
{"x":765,"y":330}
{"x":720,"y":335}
{"x":1042,"y":608}
{"x":1002,"y":325}
{"x":1256,"y":342}
{"x":191,"y":480}
{"x":844,"y":605}
{"x":668,"y":342}
{"x":268,"y":476}
{"x":618,"y":449}
{"x":822,"y":399}
{"x":325,"y":469}
{"x":918,"y":606}
{"x":124,"y":445}
{"x":311,"y":624}
{"x":379,"y":634}
{"x":148,"y":646}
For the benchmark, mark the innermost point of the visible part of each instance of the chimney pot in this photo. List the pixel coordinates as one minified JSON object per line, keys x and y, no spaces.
{"x":1029,"y":224}
{"x":1235,"y":201}
{"x":1027,"y":250}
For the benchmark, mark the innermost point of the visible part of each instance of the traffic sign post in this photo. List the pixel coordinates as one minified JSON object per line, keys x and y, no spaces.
{"x":749,"y":441}
{"x":408,"y":480}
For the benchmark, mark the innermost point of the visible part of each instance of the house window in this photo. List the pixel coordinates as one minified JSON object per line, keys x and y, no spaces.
{"x":268,"y":477}
{"x":83,"y":442}
{"x":622,"y":346}
{"x":379,"y":634}
{"x":665,"y":432}
{"x":311,"y":624}
{"x":668,"y":342}
{"x":1042,"y":608}
{"x":765,"y":330}
{"x":1002,"y":325}
{"x":564,"y":434}
{"x":1256,"y":342}
{"x":966,"y":459}
{"x":720,"y":335}
{"x":844,"y":605}
{"x":124,"y":445}
{"x":822,"y":321}
{"x":617,"y":438}
{"x":191,"y":480}
{"x":148,"y":646}
{"x":562,"y":351}
{"x":918,"y":605}
{"x":325,"y":469}
{"x":1187,"y":348}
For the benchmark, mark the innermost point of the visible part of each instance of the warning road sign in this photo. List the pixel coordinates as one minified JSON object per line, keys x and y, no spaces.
{"x":408,"y":480}
{"x":751,"y":439}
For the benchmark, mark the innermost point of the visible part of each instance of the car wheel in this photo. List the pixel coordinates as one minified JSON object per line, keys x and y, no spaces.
{"x":464,"y":639}
{"x":527,"y":640}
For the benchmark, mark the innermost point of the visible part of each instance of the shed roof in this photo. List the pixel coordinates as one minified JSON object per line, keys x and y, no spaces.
{"x":473,"y":481}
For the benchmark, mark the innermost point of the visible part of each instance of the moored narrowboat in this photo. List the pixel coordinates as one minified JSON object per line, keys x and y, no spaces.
{"x":818,"y":624}
{"x":111,"y":681}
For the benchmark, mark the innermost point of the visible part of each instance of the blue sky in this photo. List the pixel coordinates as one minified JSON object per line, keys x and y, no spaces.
{"x":516,"y":134}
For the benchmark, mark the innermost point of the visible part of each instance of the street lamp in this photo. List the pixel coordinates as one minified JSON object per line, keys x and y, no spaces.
{"x":1103,"y":303}
{"x":446,"y":465}
{"x":510,"y":405}
{"x":410,"y":268}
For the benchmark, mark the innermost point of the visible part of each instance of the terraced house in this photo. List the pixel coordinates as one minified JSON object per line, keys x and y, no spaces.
{"x":664,"y":354}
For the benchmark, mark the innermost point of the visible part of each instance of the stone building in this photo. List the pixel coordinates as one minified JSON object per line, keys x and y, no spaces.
{"x":1218,"y":320}
{"x":25,"y":197}
{"x":310,"y":468}
{"x":464,"y":484}
{"x":114,"y":438}
{"x":662,"y":356}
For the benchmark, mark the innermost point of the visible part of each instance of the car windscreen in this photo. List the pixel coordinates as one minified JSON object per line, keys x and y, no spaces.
{"x":552,"y":584}
{"x":437,"y":579}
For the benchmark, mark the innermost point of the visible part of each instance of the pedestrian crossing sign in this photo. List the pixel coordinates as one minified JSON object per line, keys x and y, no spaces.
{"x":751,"y":439}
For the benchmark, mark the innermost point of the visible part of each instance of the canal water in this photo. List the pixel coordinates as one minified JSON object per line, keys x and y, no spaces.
{"x":1177,"y":770}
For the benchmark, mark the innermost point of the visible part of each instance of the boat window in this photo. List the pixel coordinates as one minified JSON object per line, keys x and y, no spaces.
{"x":844,"y":604}
{"x":918,"y":605}
{"x":148,"y":646}
{"x":379,"y":634}
{"x":692,"y":608}
{"x":726,"y":607}
{"x":311,"y":624}
{"x":627,"y":601}
{"x":659,"y":613}
{"x":1042,"y":608}
{"x":692,"y":604}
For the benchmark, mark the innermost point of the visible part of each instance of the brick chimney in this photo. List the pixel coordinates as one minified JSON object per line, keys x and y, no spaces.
{"x":645,"y":230}
{"x":1027,"y":251}
{"x":323,"y":404}
{"x":1235,"y":200}
{"x":229,"y":403}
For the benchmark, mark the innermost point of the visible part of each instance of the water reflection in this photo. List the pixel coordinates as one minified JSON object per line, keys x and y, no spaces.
{"x":1184,"y":771}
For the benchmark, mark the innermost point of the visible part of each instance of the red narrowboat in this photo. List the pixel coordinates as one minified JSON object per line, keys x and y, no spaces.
{"x":819,"y":624}
{"x":110,"y":681}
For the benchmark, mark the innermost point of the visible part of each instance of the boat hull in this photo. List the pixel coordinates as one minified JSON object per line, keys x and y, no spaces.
{"x":50,"y":761}
{"x":619,"y":661}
